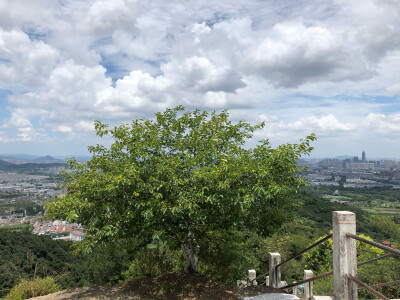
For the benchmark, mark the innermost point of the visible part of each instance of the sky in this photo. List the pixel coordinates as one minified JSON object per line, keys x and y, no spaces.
{"x":326,"y":67}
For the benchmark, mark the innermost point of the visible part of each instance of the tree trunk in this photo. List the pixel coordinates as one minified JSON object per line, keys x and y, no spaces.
{"x":192,"y":259}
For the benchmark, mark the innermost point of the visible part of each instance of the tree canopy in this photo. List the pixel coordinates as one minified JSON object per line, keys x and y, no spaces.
{"x":178,"y":176}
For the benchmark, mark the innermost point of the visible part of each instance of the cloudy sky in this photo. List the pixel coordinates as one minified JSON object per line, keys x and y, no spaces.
{"x":328,"y":67}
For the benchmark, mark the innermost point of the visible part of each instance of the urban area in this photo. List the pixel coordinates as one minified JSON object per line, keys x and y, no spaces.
{"x":26,"y":185}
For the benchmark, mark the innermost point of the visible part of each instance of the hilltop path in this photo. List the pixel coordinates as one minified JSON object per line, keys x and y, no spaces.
{"x":177,"y":286}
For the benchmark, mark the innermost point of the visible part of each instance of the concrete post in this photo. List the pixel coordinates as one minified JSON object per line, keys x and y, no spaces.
{"x":274,"y":274}
{"x":308,"y":286}
{"x":241,"y":283}
{"x":344,"y":255}
{"x":267,"y":280}
{"x":252,"y":277}
{"x":295,"y":289}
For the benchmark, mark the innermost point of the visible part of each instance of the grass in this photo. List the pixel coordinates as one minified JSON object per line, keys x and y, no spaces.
{"x":32,"y":288}
{"x":18,"y":227}
{"x":336,"y":197}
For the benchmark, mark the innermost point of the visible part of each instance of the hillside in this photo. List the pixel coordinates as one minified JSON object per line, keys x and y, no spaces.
{"x":152,"y":271}
{"x":7,"y":166}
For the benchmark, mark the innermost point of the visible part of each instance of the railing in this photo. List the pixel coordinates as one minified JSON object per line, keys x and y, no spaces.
{"x":345,"y":282}
{"x":309,"y":277}
{"x":380,"y":246}
{"x":329,"y":236}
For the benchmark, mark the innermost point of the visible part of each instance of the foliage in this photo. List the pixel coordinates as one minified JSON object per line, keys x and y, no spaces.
{"x":154,"y":262}
{"x":27,"y":227}
{"x":31,"y":208}
{"x":24,"y":255}
{"x":386,"y":226}
{"x":178,"y":177}
{"x":33,"y":288}
{"x":227,"y":255}
{"x":319,"y":211}
{"x":103,"y":266}
{"x":320,"y":258}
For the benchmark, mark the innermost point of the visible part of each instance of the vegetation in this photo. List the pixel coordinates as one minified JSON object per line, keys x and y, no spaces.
{"x":378,"y":200}
{"x":31,"y":208}
{"x":226,"y":255}
{"x":25,"y":226}
{"x":33,"y":288}
{"x":179,"y":177}
{"x":25,"y":256}
{"x":181,"y":191}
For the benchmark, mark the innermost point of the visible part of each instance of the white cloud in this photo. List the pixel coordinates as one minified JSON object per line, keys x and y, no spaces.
{"x":3,"y":137}
{"x":324,"y":123}
{"x":304,"y":68}
{"x":385,"y":125}
{"x":24,"y":62}
{"x":103,"y":17}
{"x":63,"y":128}
{"x":323,"y":126}
{"x":20,"y":122}
{"x":375,"y":25}
{"x":293,"y":54}
{"x":199,"y":74}
{"x":394,"y":89}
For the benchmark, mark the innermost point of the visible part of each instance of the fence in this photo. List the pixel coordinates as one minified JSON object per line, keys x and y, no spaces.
{"x":345,"y":282}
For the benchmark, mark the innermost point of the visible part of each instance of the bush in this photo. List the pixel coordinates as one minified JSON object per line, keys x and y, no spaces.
{"x":33,"y":288}
{"x":155,"y":262}
{"x":228,"y":255}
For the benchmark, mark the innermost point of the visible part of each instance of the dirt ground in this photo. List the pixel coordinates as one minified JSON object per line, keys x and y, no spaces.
{"x":174,"y":286}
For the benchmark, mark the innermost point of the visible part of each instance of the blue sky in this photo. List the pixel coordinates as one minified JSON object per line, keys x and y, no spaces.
{"x":327,"y":67}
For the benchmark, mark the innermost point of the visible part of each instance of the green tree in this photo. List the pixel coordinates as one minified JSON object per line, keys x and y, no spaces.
{"x":179,"y":176}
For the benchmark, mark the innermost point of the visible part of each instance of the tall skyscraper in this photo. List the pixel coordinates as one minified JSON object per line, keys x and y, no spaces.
{"x":363,"y":156}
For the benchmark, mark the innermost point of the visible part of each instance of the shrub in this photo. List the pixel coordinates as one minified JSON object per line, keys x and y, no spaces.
{"x":155,"y":262}
{"x":32,"y":288}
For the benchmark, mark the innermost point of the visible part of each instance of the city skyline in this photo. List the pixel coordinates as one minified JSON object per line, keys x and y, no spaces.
{"x":328,"y":67}
{"x":30,"y":156}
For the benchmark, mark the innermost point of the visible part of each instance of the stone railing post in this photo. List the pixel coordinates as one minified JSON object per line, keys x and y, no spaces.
{"x":274,"y":273}
{"x":267,"y":280}
{"x":344,"y":255}
{"x":308,"y":286}
{"x":241,"y":283}
{"x":295,"y":289}
{"x":252,"y":275}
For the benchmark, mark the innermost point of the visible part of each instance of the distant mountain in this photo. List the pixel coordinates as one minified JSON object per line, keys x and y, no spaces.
{"x":79,"y":158}
{"x":18,"y":156}
{"x":5,"y":164}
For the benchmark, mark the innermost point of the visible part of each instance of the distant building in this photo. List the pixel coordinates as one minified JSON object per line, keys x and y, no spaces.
{"x":58,"y":227}
{"x":359,"y":166}
{"x":77,"y":235}
{"x":331,"y":163}
{"x":363,"y":156}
